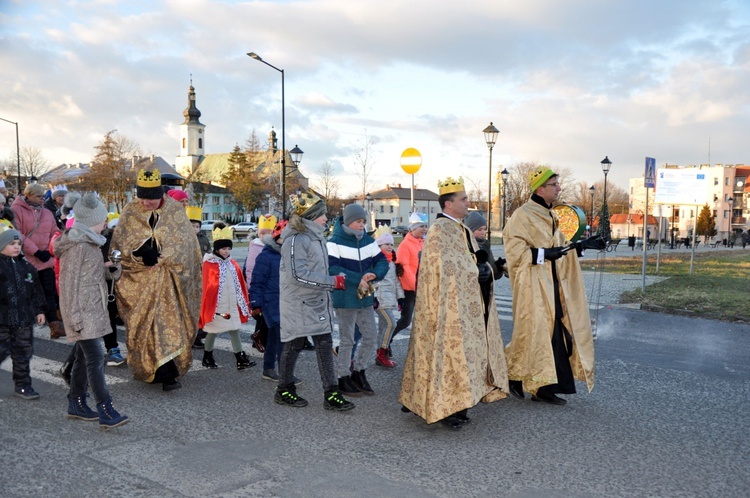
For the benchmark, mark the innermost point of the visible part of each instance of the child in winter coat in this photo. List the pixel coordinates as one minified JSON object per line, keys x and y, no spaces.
{"x":83,"y":304}
{"x":388,"y":295}
{"x":224,"y":304}
{"x":22,"y":306}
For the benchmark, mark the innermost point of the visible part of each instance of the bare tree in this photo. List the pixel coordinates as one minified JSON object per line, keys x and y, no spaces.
{"x":518,"y":189}
{"x":365,"y":159}
{"x":113,"y":168}
{"x":33,"y":162}
{"x":328,"y":186}
{"x":475,"y":192}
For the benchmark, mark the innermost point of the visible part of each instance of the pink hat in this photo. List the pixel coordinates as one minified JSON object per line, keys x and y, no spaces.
{"x":69,"y":221}
{"x":177,"y":195}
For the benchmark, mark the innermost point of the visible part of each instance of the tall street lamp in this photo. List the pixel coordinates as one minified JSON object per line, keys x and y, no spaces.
{"x":283,"y":134}
{"x":490,"y":136}
{"x":604,"y":223}
{"x":592,"y":191}
{"x":731,"y":213}
{"x":18,"y":155}
{"x":369,"y":209}
{"x":504,"y":174}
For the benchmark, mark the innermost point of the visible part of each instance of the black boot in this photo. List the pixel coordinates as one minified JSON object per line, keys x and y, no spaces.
{"x":360,"y":382}
{"x":347,"y":387}
{"x":243,"y":361}
{"x":208,"y":359}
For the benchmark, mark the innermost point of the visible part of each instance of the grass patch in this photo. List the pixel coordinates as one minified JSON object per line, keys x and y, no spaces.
{"x":719,"y":287}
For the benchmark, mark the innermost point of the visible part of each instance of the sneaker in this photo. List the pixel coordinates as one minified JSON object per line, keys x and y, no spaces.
{"x":332,"y":400}
{"x":297,"y":381}
{"x":270,"y":374}
{"x":288,"y":397}
{"x":26,"y":392}
{"x":114,"y":358}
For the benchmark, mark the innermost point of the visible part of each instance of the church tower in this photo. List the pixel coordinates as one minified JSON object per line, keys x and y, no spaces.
{"x":192,"y":139}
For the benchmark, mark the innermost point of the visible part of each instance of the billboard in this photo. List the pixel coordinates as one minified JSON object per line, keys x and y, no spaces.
{"x":681,"y":186}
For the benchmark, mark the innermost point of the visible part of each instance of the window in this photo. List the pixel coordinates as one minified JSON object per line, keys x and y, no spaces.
{"x":391,"y":209}
{"x":382,"y":208}
{"x":200,"y":143}
{"x":726,"y":214}
{"x":215,"y":200}
{"x":183,"y":143}
{"x":715,"y":213}
{"x":726,"y":180}
{"x":716,"y":180}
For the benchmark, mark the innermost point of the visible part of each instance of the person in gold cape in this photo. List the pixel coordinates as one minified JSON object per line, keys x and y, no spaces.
{"x":455,"y":358}
{"x":552,"y":344}
{"x":159,"y":293}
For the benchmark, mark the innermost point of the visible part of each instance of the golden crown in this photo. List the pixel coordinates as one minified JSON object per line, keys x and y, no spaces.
{"x":267,"y":222}
{"x":303,"y":202}
{"x":194,"y":212}
{"x":449,"y":185}
{"x":148,"y":179}
{"x":222,"y":234}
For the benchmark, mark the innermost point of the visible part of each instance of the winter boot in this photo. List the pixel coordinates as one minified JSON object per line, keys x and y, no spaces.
{"x":77,"y":408}
{"x":108,"y":416}
{"x":243,"y":361}
{"x":360,"y":382}
{"x":333,"y":400}
{"x":288,"y":396}
{"x":346,"y":386}
{"x":381,"y":359}
{"x":208,"y":360}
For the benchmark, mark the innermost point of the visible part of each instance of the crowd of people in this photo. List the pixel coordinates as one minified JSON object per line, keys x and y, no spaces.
{"x":69,"y":262}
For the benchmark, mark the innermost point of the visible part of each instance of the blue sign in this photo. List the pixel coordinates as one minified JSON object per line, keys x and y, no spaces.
{"x":650,"y":175}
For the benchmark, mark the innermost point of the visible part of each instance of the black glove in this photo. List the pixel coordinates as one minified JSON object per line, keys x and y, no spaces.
{"x":375,"y":303}
{"x":43,"y":256}
{"x":553,"y":253}
{"x":499,"y":263}
{"x":149,"y":255}
{"x":596,"y":242}
{"x":485,"y":273}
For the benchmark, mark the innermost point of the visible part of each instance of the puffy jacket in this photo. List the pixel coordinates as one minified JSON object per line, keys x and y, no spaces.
{"x":26,"y":219}
{"x":253,"y":250}
{"x":389,"y":289}
{"x":304,"y":282}
{"x":354,"y":258}
{"x":264,"y":287}
{"x":407,"y":255}
{"x":21,"y":294}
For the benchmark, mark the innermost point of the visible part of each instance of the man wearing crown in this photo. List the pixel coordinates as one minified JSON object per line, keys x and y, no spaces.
{"x":455,"y":358}
{"x":159,"y":293}
{"x":552,"y":345}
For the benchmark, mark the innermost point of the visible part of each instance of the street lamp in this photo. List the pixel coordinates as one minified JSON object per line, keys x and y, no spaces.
{"x":296,"y":154}
{"x":33,"y":179}
{"x":592,"y":191}
{"x":731,"y":213}
{"x":18,"y":154}
{"x":490,"y":136}
{"x":283,"y":134}
{"x":368,"y":196}
{"x":604,"y":223}
{"x":504,"y":174}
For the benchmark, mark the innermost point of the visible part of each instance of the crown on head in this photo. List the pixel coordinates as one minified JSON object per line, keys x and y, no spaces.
{"x":222,"y":234}
{"x":149,"y":179}
{"x":194,"y":212}
{"x":266,"y":222}
{"x":303,"y":202}
{"x":449,"y":185}
{"x":382,"y":230}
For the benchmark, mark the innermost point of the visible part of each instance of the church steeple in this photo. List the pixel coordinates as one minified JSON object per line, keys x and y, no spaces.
{"x":192,"y":114}
{"x":192,"y":145}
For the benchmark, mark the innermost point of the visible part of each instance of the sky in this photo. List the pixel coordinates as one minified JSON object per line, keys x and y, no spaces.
{"x":566,"y":82}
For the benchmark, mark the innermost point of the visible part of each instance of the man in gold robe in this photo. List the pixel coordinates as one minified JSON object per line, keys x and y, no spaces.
{"x":455,"y":358}
{"x":159,"y":293}
{"x":552,"y":344}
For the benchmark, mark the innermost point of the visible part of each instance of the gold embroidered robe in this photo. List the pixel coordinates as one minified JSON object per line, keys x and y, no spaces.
{"x":529,"y":353}
{"x":159,"y":304}
{"x":454,"y":361}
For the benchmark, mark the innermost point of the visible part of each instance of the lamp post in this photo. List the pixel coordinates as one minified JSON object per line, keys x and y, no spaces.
{"x":283,"y":134}
{"x":504,"y":174}
{"x":592,"y":191}
{"x":731,"y":213}
{"x":606,"y":165}
{"x":268,"y":201}
{"x":369,"y":209}
{"x":490,"y":136}
{"x":18,"y":155}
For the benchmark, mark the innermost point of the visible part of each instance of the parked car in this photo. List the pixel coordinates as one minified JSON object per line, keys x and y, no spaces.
{"x":399,"y":230}
{"x":207,"y":226}
{"x":244,"y":229}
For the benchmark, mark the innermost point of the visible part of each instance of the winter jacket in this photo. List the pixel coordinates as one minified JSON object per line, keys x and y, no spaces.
{"x":305,"y":303}
{"x":83,"y":285}
{"x":389,"y":289}
{"x":354,"y":258}
{"x":26,"y":219}
{"x":229,"y":299}
{"x":407,"y":254}
{"x":53,"y":208}
{"x":264,"y":288}
{"x":21,"y":294}
{"x":253,"y":250}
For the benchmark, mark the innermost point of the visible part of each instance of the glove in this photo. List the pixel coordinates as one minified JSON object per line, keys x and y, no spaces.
{"x":501,"y":268}
{"x":43,"y":256}
{"x":553,"y":253}
{"x":375,"y":303}
{"x":500,"y":262}
{"x":148,"y":254}
{"x":596,"y":242}
{"x":256,"y":312}
{"x":340,"y":282}
{"x":400,"y":303}
{"x":485,"y":273}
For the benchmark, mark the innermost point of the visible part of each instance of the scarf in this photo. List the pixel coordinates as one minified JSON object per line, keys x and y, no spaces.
{"x":226,"y":266}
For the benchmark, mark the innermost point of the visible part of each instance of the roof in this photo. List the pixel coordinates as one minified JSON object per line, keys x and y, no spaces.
{"x":70,"y":173}
{"x":635,"y":219}
{"x":420,"y":194}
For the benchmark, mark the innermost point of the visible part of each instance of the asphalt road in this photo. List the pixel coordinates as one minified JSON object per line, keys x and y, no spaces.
{"x":667,"y":417}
